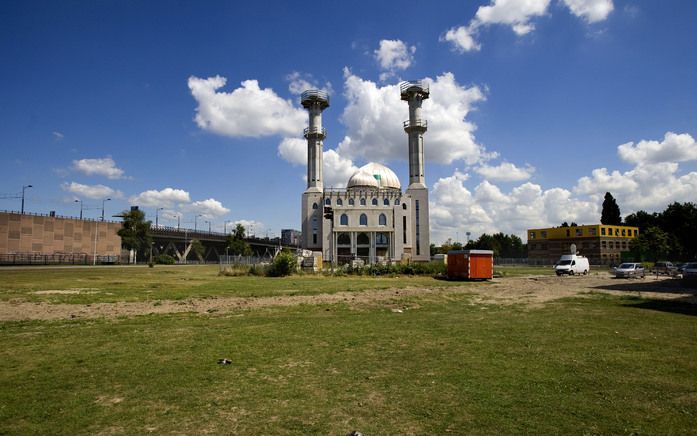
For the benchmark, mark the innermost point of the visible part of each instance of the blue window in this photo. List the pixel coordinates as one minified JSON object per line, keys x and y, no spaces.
{"x":343,"y":220}
{"x":386,"y":202}
{"x":362,"y":201}
{"x":375,"y":202}
{"x":327,"y":202}
{"x":339,"y":202}
{"x":382,"y":220}
{"x":351,"y":202}
{"x":363,"y":221}
{"x":314,"y":205}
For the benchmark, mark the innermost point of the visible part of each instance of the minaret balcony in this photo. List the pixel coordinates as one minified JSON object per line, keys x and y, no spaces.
{"x":417,"y":124}
{"x":313,"y":97}
{"x":314,"y":132}
{"x":414,"y":87}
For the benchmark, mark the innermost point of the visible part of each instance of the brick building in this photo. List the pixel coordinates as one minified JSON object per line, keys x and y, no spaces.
{"x":601,"y":244}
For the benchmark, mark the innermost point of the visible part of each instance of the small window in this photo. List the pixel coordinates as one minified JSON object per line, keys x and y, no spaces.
{"x":396,"y":201}
{"x":380,"y":239}
{"x":385,"y":202}
{"x":327,"y":202}
{"x":339,"y":202}
{"x":532,"y":235}
{"x":374,"y":202}
{"x":602,"y":231}
{"x":404,"y":206}
{"x":363,"y":221}
{"x":362,"y":201}
{"x":343,"y":220}
{"x":579,"y":232}
{"x":624,"y":233}
{"x":636,"y":233}
{"x":592,"y":231}
{"x":617,"y":232}
{"x":543,"y":234}
{"x":382,"y":220}
{"x":351,"y":202}
{"x":314,"y":205}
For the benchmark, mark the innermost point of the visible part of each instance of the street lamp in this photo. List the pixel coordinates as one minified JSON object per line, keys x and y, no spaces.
{"x":209,"y":227}
{"x":225,"y":226}
{"x":196,"y":222}
{"x":106,"y":199}
{"x":468,"y":236}
{"x":23,"y":188}
{"x":80,"y":201}
{"x":157,"y":211}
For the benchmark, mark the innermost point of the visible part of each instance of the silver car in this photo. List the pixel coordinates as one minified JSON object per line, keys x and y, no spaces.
{"x":690,"y":271}
{"x":630,"y":270}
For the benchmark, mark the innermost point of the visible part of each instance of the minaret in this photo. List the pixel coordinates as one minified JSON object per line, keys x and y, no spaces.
{"x":315,"y":101}
{"x":414,"y":92}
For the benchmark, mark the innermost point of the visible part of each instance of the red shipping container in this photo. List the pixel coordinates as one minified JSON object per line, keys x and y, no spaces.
{"x":470,"y":264}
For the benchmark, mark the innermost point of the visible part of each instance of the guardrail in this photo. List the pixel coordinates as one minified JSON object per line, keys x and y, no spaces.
{"x":415,"y":123}
{"x":314,"y":131}
{"x":420,"y":84}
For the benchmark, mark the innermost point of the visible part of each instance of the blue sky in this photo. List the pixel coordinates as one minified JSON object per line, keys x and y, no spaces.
{"x":537,"y":108}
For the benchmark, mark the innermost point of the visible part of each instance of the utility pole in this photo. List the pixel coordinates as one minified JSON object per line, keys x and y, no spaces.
{"x":106,"y":199}
{"x":80,"y":201}
{"x":157,"y":211}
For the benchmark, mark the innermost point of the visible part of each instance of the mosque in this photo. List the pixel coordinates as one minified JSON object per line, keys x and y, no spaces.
{"x":371,"y":219}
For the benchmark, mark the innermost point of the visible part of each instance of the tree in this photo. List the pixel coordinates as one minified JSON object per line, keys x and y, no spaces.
{"x":236,"y":244}
{"x":611,"y":211}
{"x":564,"y":224}
{"x":642,"y":219}
{"x":135,"y":232}
{"x":653,"y":244}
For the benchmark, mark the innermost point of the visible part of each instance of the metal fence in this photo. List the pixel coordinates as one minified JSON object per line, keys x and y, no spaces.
{"x":56,"y":259}
{"x":228,"y":261}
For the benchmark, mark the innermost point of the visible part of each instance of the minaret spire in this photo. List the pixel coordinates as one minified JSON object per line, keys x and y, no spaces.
{"x":415,"y":92}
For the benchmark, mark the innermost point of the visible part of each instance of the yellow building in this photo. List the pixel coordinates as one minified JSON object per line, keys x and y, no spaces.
{"x":601,"y":244}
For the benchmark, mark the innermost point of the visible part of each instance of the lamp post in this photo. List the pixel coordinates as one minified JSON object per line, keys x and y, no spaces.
{"x":103,"y":201}
{"x":23,"y":189}
{"x":209,"y":227}
{"x":157,"y":212}
{"x":468,"y":236}
{"x":80,"y":201}
{"x":196,"y":222}
{"x":225,"y":226}
{"x":178,"y":217}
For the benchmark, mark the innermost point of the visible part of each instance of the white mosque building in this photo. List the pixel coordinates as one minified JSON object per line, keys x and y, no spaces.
{"x":372,"y":219}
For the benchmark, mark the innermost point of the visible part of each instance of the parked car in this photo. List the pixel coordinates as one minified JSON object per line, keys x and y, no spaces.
{"x":680,"y":267}
{"x":666,"y":268}
{"x":630,"y":270}
{"x":690,"y":271}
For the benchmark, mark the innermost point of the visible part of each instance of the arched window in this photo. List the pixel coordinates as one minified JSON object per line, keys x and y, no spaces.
{"x":343,"y":239}
{"x":339,"y":202}
{"x":363,"y":221}
{"x":375,"y":202}
{"x":404,"y":206}
{"x":327,"y":202}
{"x":362,"y":201}
{"x":351,"y":202}
{"x":314,"y":205}
{"x":362,"y":239}
{"x":343,"y":220}
{"x":380,"y":239}
{"x":386,"y":202}
{"x":382,"y":220}
{"x":396,"y":201}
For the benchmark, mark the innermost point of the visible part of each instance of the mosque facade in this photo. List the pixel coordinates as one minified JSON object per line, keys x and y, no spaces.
{"x":371,"y":219}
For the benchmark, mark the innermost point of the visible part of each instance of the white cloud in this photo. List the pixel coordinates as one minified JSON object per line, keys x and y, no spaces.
{"x":248,"y":111}
{"x":590,"y":10}
{"x":519,"y":16}
{"x":454,"y":208}
{"x":58,"y":136}
{"x":251,"y":227}
{"x":514,"y":13}
{"x":209,"y":208}
{"x":99,"y":192}
{"x":373,"y":118}
{"x":102,"y":167}
{"x":337,"y":169}
{"x":462,"y":38}
{"x":393,"y":55}
{"x":299,"y":83}
{"x":505,"y":172}
{"x":167,"y":197}
{"x":647,"y":186}
{"x":293,"y":150}
{"x":673,"y":148}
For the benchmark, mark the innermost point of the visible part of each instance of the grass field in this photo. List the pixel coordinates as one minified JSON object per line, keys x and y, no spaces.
{"x":596,"y":364}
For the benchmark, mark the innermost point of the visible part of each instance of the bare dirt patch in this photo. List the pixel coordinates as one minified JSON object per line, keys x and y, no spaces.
{"x":532,"y":291}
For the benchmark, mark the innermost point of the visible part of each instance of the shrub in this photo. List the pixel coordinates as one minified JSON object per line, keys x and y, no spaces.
{"x":283,"y":264}
{"x":165,"y":259}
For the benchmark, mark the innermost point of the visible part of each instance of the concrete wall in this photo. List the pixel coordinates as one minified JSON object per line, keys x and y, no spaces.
{"x":38,"y":234}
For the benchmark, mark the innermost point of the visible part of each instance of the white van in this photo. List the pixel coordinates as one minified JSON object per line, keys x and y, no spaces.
{"x":572,"y":264}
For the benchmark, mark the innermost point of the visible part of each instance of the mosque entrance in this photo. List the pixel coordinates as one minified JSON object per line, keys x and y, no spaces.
{"x":343,"y":248}
{"x":363,"y":247}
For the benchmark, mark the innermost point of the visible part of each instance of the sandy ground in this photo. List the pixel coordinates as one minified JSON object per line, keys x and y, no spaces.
{"x":533,"y":291}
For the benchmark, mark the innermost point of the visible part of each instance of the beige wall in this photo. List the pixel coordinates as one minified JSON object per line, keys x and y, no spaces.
{"x":50,"y":235}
